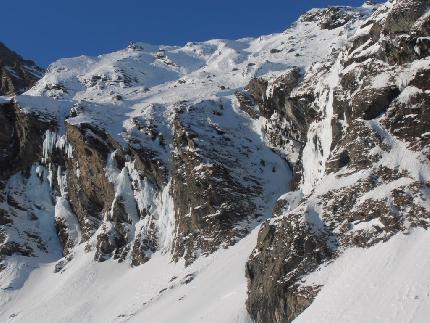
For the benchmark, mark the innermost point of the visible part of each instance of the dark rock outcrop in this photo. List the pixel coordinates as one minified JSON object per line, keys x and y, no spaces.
{"x":329,"y":18}
{"x":92,"y":197}
{"x":287,"y":110}
{"x":210,"y":199}
{"x":21,"y":137}
{"x":16,"y":74}
{"x":284,"y":253}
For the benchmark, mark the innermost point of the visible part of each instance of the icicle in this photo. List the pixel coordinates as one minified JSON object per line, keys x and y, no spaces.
{"x":48,"y":145}
{"x":69,"y":151}
{"x":166,"y":218}
{"x":62,"y":181}
{"x":50,"y":175}
{"x":159,"y":205}
{"x":52,"y":140}
{"x":39,"y":171}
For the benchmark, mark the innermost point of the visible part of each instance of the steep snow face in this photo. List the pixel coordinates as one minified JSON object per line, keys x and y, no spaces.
{"x":389,"y":282}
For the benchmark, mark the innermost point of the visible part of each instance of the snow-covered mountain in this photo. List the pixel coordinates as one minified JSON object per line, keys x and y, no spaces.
{"x":280,"y":178}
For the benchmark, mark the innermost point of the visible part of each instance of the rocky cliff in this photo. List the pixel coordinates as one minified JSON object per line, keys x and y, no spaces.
{"x":316,"y":138}
{"x":16,"y":74}
{"x":366,"y":131}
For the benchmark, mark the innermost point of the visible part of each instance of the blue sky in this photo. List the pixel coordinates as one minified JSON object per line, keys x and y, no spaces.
{"x":45,"y":30}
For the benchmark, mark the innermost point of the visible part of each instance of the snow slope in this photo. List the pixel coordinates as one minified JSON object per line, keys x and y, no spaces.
{"x":213,"y":289}
{"x":126,"y":81}
{"x":389,"y":282}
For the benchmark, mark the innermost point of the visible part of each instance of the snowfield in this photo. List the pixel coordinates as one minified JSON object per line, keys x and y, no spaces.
{"x":363,"y":285}
{"x":213,"y":289}
{"x":389,"y":282}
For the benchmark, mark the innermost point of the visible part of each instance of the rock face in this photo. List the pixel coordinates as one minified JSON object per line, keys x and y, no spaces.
{"x":21,"y":213}
{"x":20,"y":139}
{"x":355,"y":191}
{"x":329,"y":18}
{"x":286,"y":113}
{"x":16,"y":74}
{"x":218,"y":194}
{"x":319,"y":134}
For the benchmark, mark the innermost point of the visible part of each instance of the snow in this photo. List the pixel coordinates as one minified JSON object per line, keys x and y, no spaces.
{"x":123,"y":188}
{"x":4,"y":99}
{"x":65,"y":215}
{"x":112,"y":292}
{"x":43,"y":106}
{"x":192,"y":72}
{"x":48,"y":145}
{"x":381,"y":80}
{"x":293,"y":199}
{"x":11,"y":70}
{"x":389,"y":282}
{"x":407,"y":74}
{"x":414,"y":163}
{"x":137,"y":92}
{"x":318,"y":145}
{"x":32,"y":193}
{"x":166,"y":218}
{"x":335,"y":181}
{"x":380,"y":192}
{"x":407,"y":93}
{"x":34,"y":70}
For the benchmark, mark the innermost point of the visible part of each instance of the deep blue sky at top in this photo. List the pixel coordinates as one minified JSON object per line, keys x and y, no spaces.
{"x":45,"y":30}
